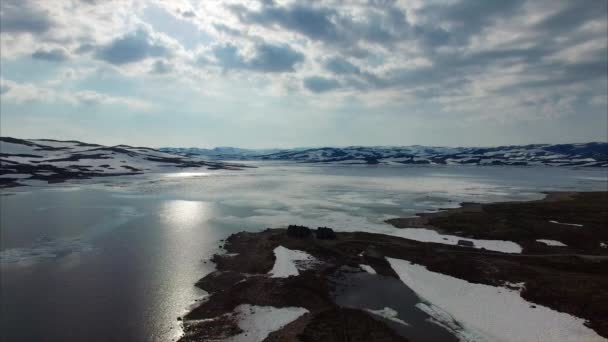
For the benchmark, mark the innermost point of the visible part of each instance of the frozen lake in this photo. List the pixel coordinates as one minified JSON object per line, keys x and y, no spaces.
{"x":116,"y":259}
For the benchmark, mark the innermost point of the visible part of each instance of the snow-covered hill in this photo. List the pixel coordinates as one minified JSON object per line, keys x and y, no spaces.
{"x":592,"y":154}
{"x":220,"y":153}
{"x":52,"y":160}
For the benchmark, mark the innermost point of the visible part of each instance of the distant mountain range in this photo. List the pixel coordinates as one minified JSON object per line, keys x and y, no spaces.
{"x":593,"y":154}
{"x":54,"y":160}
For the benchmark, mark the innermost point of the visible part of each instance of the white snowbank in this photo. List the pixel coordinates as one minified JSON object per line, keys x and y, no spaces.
{"x":367,"y":268}
{"x":552,"y":242}
{"x":429,"y":235}
{"x":389,"y":314}
{"x":566,"y":224}
{"x":289,"y":261}
{"x":257,"y":322}
{"x":491,"y":313}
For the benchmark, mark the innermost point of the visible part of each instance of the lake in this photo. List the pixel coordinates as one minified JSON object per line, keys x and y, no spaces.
{"x":116,"y":259}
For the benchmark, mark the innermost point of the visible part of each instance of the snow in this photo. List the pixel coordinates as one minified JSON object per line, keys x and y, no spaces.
{"x":603,"y":245}
{"x":54,"y":143}
{"x":45,"y":173}
{"x":429,"y":235}
{"x":567,"y":224}
{"x":389,"y":314}
{"x":446,"y":321}
{"x":288,"y":262}
{"x":367,"y":268}
{"x":552,"y":242}
{"x":257,"y":322}
{"x":11,"y":148}
{"x":488,"y":313}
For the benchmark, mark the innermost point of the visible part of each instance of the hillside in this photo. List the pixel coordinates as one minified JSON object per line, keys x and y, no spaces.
{"x":593,"y":154}
{"x":55,"y":161}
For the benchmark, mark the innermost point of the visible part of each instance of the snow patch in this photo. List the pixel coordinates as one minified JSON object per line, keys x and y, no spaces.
{"x":367,"y":268}
{"x":429,"y":235}
{"x":552,"y":242}
{"x":491,"y":313}
{"x":288,"y":262}
{"x":567,"y":224}
{"x":389,"y":314}
{"x":257,"y":322}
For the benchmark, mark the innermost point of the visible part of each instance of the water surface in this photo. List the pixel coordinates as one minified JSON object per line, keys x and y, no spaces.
{"x":115,"y":259}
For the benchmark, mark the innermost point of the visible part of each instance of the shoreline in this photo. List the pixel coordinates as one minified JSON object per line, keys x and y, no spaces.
{"x":244,"y":277}
{"x":554,"y":217}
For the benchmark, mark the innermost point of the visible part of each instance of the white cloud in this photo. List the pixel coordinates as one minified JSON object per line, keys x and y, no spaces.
{"x":20,"y":93}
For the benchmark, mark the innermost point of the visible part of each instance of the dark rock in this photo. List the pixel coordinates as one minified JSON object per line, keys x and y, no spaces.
{"x":325,"y":233}
{"x":466,"y":243}
{"x":299,"y":232}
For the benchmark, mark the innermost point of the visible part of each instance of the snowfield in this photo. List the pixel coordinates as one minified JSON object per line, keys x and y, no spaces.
{"x":288,"y":262}
{"x":257,"y":322}
{"x":478,"y":312}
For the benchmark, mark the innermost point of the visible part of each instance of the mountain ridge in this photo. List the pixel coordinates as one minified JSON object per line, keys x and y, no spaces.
{"x":50,"y":160}
{"x":591,"y":154}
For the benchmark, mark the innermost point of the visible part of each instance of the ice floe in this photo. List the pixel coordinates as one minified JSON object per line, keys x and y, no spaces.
{"x":489,"y":313}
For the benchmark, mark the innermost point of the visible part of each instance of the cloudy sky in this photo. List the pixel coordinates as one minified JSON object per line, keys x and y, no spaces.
{"x":283,"y":74}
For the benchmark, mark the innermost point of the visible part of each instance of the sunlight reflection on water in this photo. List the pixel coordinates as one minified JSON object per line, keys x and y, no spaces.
{"x":178,"y":213}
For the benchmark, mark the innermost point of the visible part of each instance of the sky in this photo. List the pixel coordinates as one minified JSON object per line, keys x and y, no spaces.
{"x":274,"y":73}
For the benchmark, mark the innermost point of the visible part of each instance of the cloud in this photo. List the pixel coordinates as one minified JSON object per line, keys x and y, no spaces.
{"x":17,"y":16}
{"x":446,"y":60}
{"x":54,"y":55}
{"x":572,"y":16}
{"x":188,"y":14}
{"x":319,"y":84}
{"x":131,"y":48}
{"x":4,"y":88}
{"x":464,"y":18}
{"x":92,"y":98}
{"x":20,"y":93}
{"x":382,"y":25}
{"x":161,"y":67}
{"x":312,"y":22}
{"x":341,"y":66}
{"x":266,"y":58}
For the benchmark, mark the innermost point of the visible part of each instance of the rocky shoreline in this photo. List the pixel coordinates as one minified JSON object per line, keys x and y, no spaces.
{"x":569,"y":280}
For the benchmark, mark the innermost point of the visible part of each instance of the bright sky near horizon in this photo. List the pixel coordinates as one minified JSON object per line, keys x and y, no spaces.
{"x":285,"y":74}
